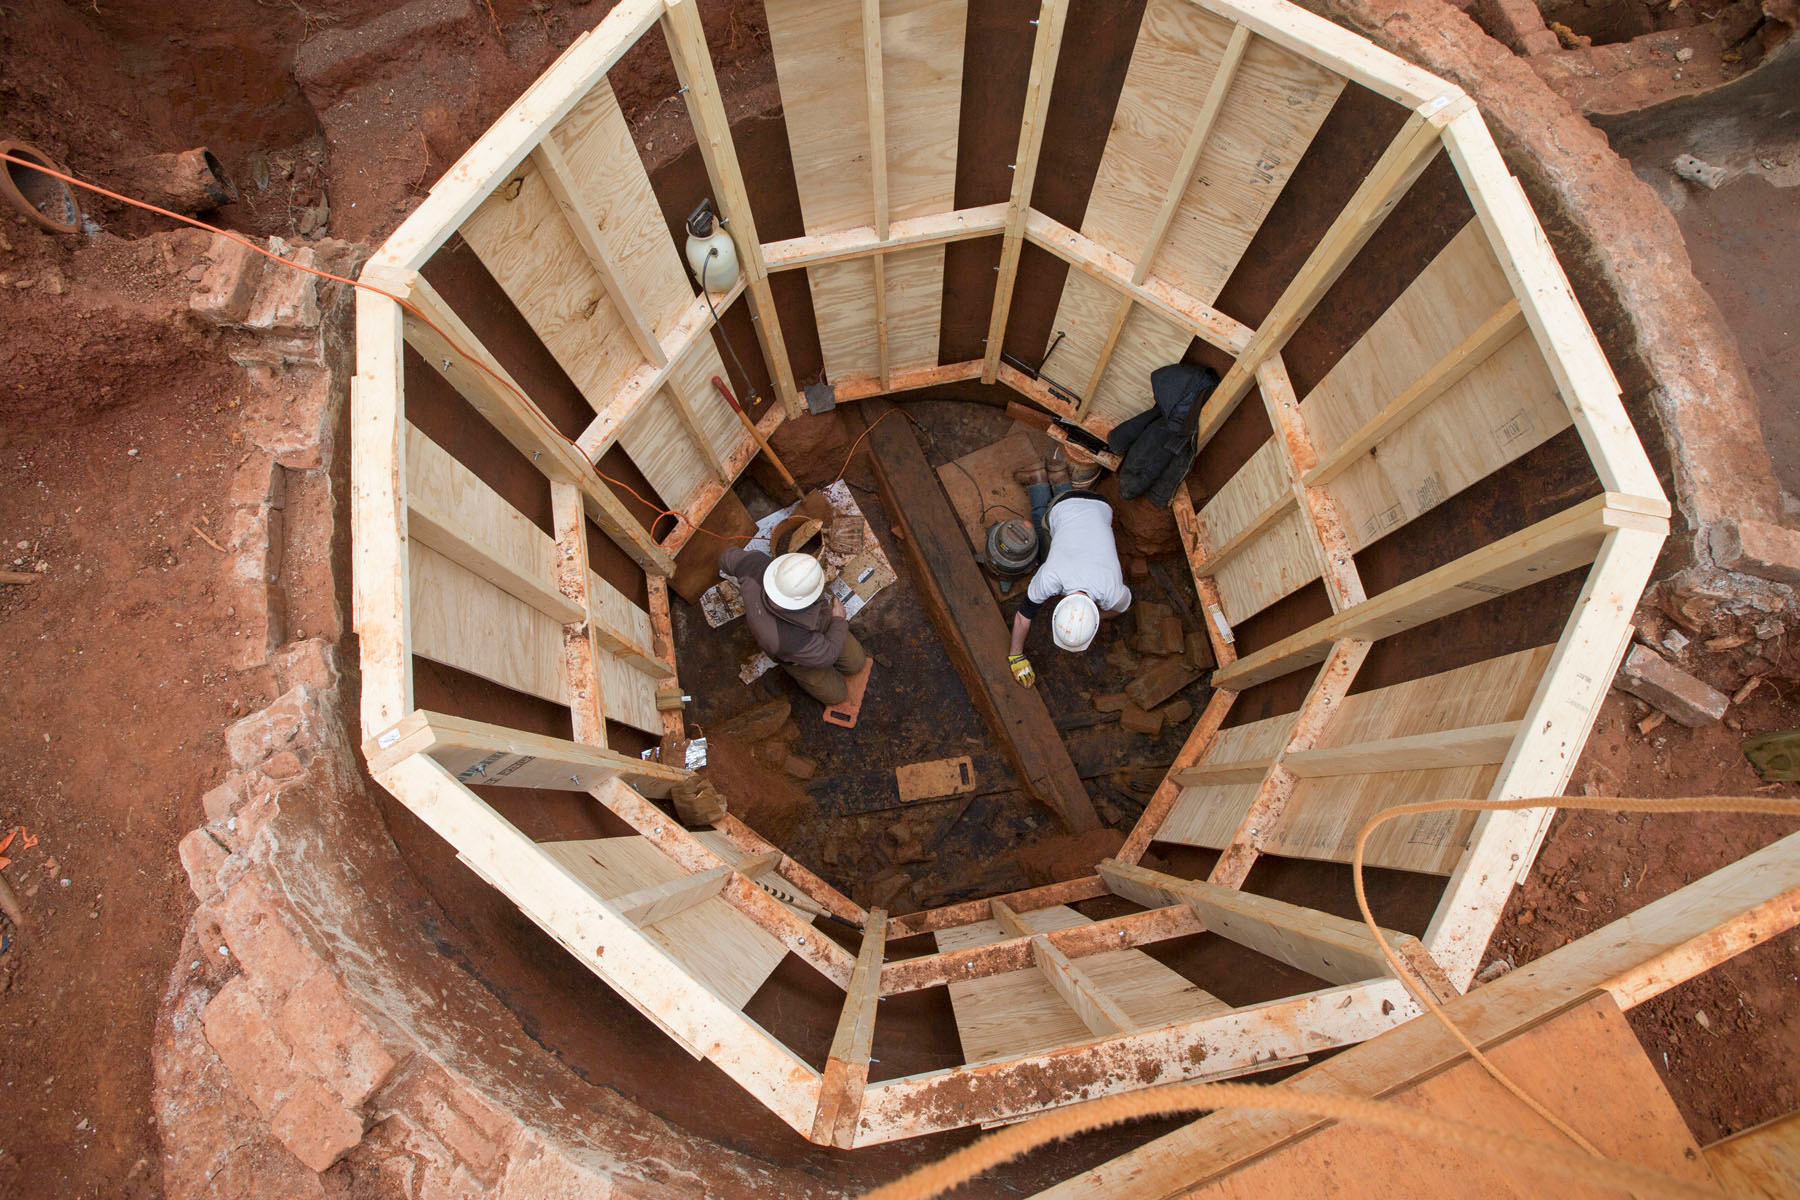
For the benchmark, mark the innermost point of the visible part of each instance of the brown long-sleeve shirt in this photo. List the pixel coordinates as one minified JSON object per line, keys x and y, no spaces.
{"x":809,"y":637}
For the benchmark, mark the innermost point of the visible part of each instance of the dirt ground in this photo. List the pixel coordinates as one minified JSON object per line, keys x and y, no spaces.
{"x":116,"y":664}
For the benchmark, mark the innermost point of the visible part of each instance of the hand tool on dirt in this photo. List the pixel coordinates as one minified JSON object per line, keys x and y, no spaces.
{"x":760,"y":440}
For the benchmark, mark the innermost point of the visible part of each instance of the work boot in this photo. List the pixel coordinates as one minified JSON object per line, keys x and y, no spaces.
{"x":1084,"y":472}
{"x":1057,"y":469}
{"x":1032,"y":476}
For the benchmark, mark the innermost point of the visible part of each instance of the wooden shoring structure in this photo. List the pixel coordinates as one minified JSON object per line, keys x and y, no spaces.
{"x":1222,"y":99}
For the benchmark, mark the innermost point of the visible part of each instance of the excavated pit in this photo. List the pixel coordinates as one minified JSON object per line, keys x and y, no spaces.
{"x":461,"y":975}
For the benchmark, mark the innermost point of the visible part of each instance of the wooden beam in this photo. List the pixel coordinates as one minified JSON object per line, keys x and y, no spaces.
{"x":1330,"y":540}
{"x":1044,"y":52}
{"x":1506,"y":323}
{"x":934,"y":229}
{"x":701,"y":505}
{"x":647,"y":906}
{"x":1247,"y":770}
{"x":1098,"y":1011}
{"x":1474,"y":746}
{"x":712,"y":133}
{"x":1636,"y":958}
{"x":1567,"y":341}
{"x":1015,"y":953}
{"x":863,"y":387}
{"x":1552,"y":546}
{"x":815,"y":889}
{"x":1218,"y":630}
{"x":691,"y":854}
{"x":1335,"y":48}
{"x":443,"y":340}
{"x":1215,"y":1047}
{"x":581,"y":653}
{"x":662,"y":638}
{"x":1331,"y":948}
{"x":629,"y":962}
{"x":1071,"y":891}
{"x":1323,"y":698}
{"x":1400,"y":165}
{"x":565,"y":189}
{"x":1556,"y":724}
{"x":847,"y":1065}
{"x":1195,"y":749}
{"x":550,"y":98}
{"x":1115,"y":271}
{"x":381,"y":591}
{"x":961,"y":605}
{"x":1036,"y":391}
{"x":484,"y":755}
{"x":1010,"y":921}
{"x":643,"y":385}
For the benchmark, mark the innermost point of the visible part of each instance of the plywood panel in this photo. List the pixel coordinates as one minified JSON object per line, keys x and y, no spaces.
{"x":1500,"y":410}
{"x":721,"y":946}
{"x":439,"y":483}
{"x":922,"y":68}
{"x":1262,"y":480}
{"x":1208,"y":815}
{"x":843,"y":296}
{"x":1146,"y":343}
{"x":1322,"y":818}
{"x":522,"y":239}
{"x":818,"y":50}
{"x":1276,"y":103}
{"x":463,"y":621}
{"x":1019,"y":1012}
{"x":1281,"y":559}
{"x":1083,"y":315}
{"x":915,"y":289}
{"x":599,"y":149}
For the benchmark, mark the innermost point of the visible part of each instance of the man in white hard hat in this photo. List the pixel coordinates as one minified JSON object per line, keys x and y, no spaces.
{"x":785,"y":608}
{"x":1081,"y":567}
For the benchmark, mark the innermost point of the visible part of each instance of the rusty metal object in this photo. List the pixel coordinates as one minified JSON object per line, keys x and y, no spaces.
{"x":193,"y":181}
{"x":42,"y":199}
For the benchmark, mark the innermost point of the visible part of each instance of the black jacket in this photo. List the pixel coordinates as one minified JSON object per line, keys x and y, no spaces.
{"x":1159,"y":444}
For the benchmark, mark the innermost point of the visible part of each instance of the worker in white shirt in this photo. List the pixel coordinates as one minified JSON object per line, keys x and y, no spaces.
{"x":1081,"y":565}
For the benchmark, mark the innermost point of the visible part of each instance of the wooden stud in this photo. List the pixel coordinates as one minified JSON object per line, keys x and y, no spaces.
{"x":1404,"y":161}
{"x":1548,"y":548}
{"x":1331,"y":948}
{"x":1218,"y":630}
{"x":1335,"y":48}
{"x":1015,"y":953}
{"x":484,"y":755}
{"x":1115,"y":271}
{"x":1331,"y":542}
{"x":565,"y":189}
{"x":1556,"y":725}
{"x":701,"y":506}
{"x":1563,"y":334}
{"x":856,"y":387}
{"x":581,"y":653}
{"x":460,"y":358}
{"x":647,"y":906}
{"x":691,"y":854}
{"x":712,"y":133}
{"x":1010,"y":921}
{"x":621,"y":955}
{"x":1072,"y":891}
{"x":1445,"y":374}
{"x":828,"y":898}
{"x":381,"y":590}
{"x":847,"y":1065}
{"x":1099,"y":1012}
{"x":1212,"y":1047}
{"x":933,"y":229}
{"x":1323,"y":698}
{"x":1044,"y":53}
{"x":662,"y":637}
{"x":1471,"y":746}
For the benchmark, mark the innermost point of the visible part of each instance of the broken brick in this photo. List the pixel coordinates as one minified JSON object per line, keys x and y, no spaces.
{"x":1172,"y":639}
{"x":202,"y":857}
{"x":1138,"y":721}
{"x":800,"y":768}
{"x":1111,"y":702}
{"x":1176,"y":713}
{"x":1653,"y":679}
{"x":241,"y":1033}
{"x":259,"y":935}
{"x":1199,"y":650}
{"x":333,"y":1041}
{"x":1148,"y":635}
{"x":755,"y":724}
{"x":1160,"y":681}
{"x":1753,"y":548}
{"x":226,"y":289}
{"x":315,"y":1127}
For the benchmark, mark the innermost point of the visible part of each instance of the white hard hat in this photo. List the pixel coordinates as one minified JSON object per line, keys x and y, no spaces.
{"x":1075,"y":621}
{"x":793,"y":581}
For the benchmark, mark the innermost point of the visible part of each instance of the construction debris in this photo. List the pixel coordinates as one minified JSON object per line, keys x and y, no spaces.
{"x":1161,"y":681}
{"x":1653,"y":679}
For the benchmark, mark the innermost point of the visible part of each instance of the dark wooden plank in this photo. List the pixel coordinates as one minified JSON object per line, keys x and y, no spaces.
{"x":957,"y":599}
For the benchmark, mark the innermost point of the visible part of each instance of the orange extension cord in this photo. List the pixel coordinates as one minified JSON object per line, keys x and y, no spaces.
{"x":1583,"y":1164}
{"x":661,"y":512}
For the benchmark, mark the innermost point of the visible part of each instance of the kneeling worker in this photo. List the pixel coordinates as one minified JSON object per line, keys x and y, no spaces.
{"x":1082,"y":565}
{"x":806,"y":634}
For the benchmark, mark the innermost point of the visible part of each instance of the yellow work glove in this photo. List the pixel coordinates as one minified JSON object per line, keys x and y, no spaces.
{"x":1021,"y":669}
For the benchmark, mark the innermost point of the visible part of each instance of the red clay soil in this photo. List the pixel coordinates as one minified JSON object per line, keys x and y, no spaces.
{"x":117,"y":438}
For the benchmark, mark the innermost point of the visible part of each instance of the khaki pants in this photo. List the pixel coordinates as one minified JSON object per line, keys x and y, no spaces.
{"x":826,"y":684}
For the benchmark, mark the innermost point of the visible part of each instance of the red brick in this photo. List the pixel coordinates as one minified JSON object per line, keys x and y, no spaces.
{"x":1766,"y":551}
{"x":447,"y":1110}
{"x":1138,"y":721}
{"x":241,"y":1033}
{"x":202,"y":857}
{"x":1111,"y":702}
{"x":1176,"y":713}
{"x":226,"y":289}
{"x":1199,"y":650}
{"x":283,"y":766}
{"x":315,"y":1127}
{"x":261,"y":937}
{"x":1651,"y":678}
{"x":222,"y":801}
{"x":333,"y":1041}
{"x":1160,"y":681}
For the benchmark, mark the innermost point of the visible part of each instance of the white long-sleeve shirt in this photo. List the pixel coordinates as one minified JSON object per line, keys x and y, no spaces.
{"x":1083,"y":558}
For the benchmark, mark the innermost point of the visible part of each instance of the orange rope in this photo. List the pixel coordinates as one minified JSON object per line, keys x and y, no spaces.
{"x":660,"y":511}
